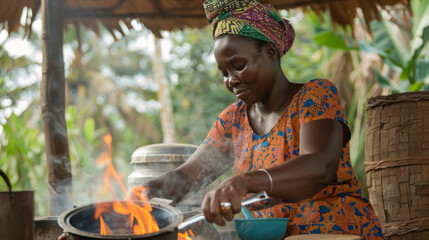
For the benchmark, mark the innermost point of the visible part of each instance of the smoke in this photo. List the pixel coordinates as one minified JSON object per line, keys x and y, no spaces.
{"x":89,"y":186}
{"x":163,"y":182}
{"x":102,"y":178}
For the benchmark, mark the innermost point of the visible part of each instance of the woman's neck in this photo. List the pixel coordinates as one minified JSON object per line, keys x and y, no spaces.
{"x":278,"y":98}
{"x":264,"y":115}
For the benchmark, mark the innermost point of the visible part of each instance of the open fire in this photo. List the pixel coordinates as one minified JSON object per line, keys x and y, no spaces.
{"x":136,"y":209}
{"x":185,"y":236}
{"x":139,"y":216}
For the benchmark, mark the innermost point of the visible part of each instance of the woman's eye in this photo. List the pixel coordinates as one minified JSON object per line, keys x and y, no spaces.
{"x":240,"y":67}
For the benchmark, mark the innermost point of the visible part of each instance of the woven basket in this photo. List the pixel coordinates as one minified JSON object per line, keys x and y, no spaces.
{"x":397,"y":163}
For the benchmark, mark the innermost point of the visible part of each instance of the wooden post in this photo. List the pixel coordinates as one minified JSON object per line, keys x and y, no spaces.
{"x":53,"y":108}
{"x":167,"y":121}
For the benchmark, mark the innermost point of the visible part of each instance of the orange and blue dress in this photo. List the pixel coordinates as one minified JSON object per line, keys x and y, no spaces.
{"x":339,"y":208}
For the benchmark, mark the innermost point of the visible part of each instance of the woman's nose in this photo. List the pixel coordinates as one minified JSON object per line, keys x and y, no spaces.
{"x":231,"y":81}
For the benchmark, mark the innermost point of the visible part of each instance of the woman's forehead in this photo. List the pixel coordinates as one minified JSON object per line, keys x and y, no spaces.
{"x":234,"y":42}
{"x":231,"y":49}
{"x":234,"y":38}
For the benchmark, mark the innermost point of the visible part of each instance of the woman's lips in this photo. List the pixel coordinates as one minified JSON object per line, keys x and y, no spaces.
{"x":241,"y":93}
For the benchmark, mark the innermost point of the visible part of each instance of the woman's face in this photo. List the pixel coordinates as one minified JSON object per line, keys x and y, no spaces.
{"x":246,"y":68}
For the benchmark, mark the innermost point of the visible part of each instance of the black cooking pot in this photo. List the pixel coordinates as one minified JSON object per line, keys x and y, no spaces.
{"x":79,"y":223}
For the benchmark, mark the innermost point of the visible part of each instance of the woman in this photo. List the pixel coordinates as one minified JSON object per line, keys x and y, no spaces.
{"x":288,"y":139}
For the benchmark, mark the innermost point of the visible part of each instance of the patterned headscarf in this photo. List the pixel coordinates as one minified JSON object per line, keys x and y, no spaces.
{"x":251,"y":19}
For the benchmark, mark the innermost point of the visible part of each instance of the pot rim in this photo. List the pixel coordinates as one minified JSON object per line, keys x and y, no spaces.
{"x":163,"y":152}
{"x":18,"y":191}
{"x":64,"y":222}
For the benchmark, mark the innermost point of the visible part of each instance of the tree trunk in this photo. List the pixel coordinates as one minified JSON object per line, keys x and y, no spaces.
{"x":53,"y":108}
{"x":167,"y":123}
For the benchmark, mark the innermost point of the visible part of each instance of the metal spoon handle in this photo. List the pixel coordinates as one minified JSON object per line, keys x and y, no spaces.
{"x":191,"y":221}
{"x":255,"y":198}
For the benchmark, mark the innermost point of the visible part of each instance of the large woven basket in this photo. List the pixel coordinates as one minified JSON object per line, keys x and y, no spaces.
{"x":397,"y":163}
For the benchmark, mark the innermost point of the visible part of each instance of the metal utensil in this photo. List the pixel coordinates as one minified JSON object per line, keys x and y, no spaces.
{"x":255,"y":198}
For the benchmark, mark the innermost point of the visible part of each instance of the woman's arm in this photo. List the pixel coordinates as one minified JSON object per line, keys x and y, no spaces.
{"x":204,"y":166}
{"x":315,"y":168}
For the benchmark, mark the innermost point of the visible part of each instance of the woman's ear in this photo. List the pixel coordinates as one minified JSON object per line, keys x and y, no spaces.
{"x":271,"y":51}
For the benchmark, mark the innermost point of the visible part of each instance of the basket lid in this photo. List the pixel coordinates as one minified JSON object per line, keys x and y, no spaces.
{"x":168,"y":152}
{"x":397,"y":98}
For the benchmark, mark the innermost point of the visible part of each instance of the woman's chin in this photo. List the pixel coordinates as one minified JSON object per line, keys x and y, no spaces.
{"x":248,"y":101}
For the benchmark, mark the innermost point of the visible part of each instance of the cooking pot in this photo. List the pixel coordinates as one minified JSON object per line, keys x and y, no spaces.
{"x":72,"y":230}
{"x":79,"y":223}
{"x":16,"y":213}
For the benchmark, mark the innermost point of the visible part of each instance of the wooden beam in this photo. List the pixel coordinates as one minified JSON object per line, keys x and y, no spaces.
{"x":304,"y":3}
{"x":53,"y":108}
{"x":183,"y":12}
{"x":77,"y":14}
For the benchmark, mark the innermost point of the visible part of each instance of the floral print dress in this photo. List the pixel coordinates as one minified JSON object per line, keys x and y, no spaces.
{"x":339,"y":208}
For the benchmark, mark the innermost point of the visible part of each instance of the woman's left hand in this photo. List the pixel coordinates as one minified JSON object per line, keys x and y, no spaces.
{"x":232,"y":190}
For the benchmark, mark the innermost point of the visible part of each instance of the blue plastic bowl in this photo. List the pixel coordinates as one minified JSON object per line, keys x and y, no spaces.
{"x":261,"y":228}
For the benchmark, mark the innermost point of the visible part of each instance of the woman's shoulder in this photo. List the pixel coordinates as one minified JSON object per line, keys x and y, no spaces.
{"x":234,"y":109}
{"x":320,"y":82}
{"x":237,"y":105}
{"x":318,"y":85}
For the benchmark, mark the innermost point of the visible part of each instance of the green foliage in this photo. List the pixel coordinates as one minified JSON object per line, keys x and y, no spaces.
{"x":21,"y":141}
{"x":22,"y":157}
{"x":123,"y":71}
{"x":305,"y":59}
{"x":85,"y":145}
{"x":397,"y":54}
{"x":84,"y":141}
{"x":402,"y":49}
{"x":12,"y":65}
{"x":24,"y":161}
{"x":198,"y":95}
{"x":88,"y":118}
{"x":10,"y":90}
{"x":332,"y":40}
{"x":408,"y":57}
{"x":325,"y":35}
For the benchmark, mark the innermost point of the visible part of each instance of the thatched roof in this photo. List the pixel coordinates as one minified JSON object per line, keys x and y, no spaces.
{"x":157,"y":15}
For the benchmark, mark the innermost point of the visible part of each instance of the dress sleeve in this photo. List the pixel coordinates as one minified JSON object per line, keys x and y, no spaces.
{"x":321,"y":100}
{"x":220,"y":135}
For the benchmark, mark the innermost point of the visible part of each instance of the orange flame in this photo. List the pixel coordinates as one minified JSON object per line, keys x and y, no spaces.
{"x":185,"y":236}
{"x":138,"y":210}
{"x":105,"y":159}
{"x":135,"y":206}
{"x":104,"y":229}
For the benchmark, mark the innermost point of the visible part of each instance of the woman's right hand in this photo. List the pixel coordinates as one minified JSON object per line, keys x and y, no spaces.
{"x":232,"y":190}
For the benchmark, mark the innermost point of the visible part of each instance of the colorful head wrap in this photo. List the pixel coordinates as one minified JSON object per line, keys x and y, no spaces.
{"x":251,"y":19}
